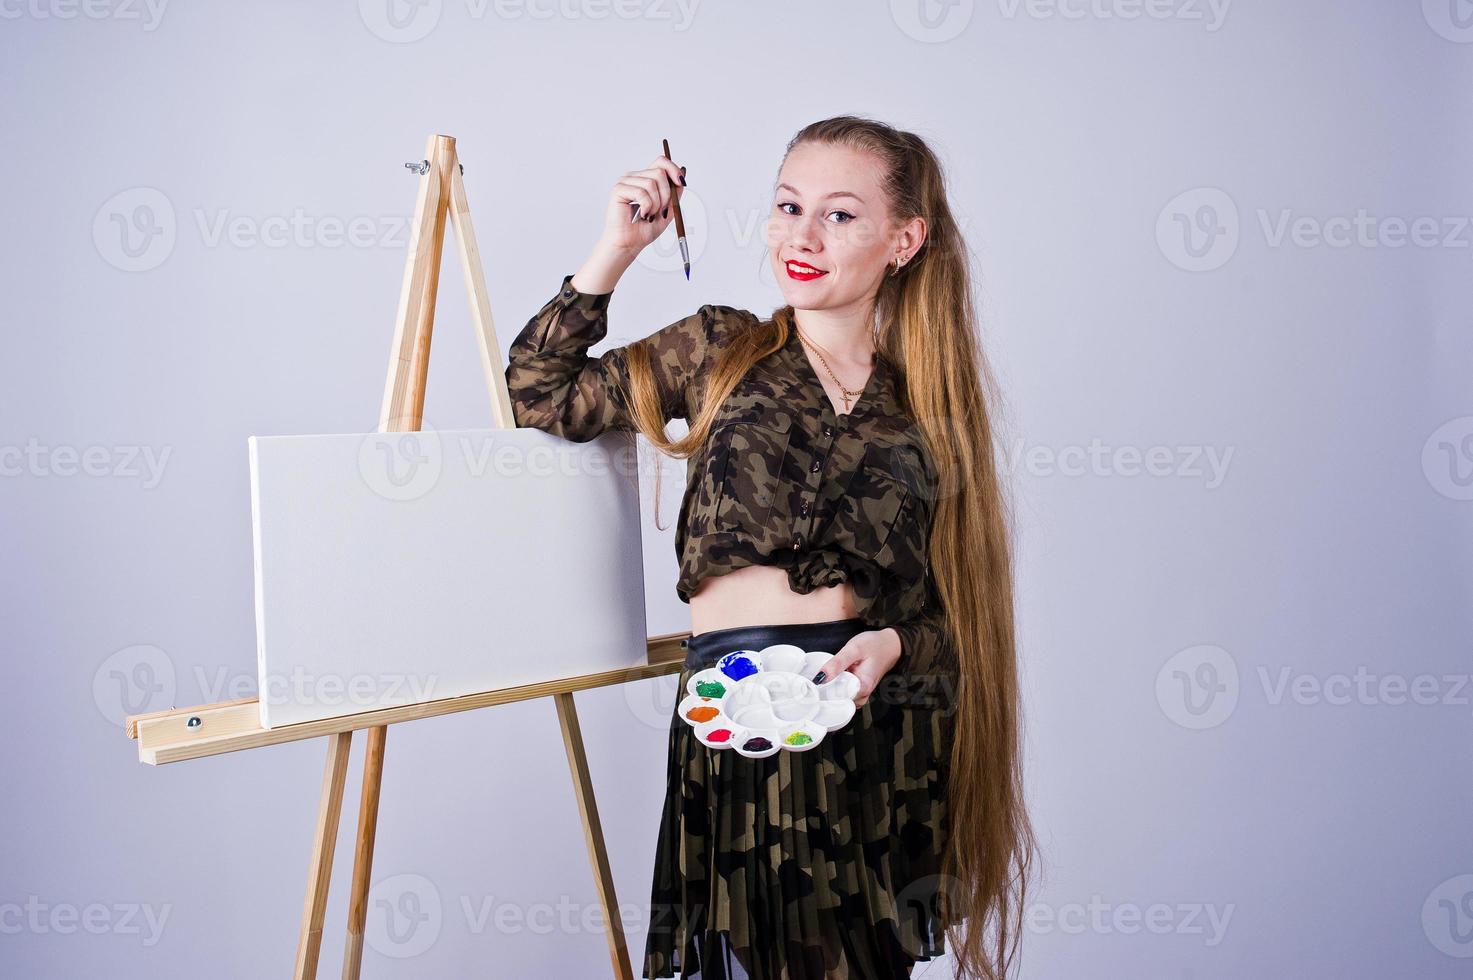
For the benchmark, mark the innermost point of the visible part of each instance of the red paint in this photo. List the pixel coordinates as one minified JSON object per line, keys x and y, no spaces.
{"x":719,"y":735}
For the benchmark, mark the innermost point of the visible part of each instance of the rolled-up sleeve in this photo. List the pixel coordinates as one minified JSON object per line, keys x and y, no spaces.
{"x":926,"y":645}
{"x":555,"y":386}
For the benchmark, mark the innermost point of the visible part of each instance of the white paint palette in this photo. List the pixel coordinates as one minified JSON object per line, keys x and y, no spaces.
{"x":761,"y":702}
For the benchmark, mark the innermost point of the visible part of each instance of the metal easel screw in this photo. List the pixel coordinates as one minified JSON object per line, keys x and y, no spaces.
{"x":194,"y":722}
{"x":423,"y":167}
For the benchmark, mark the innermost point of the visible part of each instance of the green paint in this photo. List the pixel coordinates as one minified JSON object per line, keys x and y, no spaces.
{"x":710,"y":689}
{"x":797,"y":738}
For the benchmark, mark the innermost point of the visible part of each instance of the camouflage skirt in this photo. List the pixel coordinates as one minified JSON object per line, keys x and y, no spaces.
{"x":815,"y":865}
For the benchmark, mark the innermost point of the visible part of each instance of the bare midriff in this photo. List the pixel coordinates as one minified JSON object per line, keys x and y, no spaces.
{"x":759,"y":595}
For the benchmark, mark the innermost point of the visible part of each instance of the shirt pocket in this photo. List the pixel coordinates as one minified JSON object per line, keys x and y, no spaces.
{"x":881,"y":510}
{"x":745,"y":477}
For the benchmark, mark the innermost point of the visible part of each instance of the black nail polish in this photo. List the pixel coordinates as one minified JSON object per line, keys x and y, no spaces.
{"x":682,"y":177}
{"x":819,"y":678}
{"x":665,"y":213}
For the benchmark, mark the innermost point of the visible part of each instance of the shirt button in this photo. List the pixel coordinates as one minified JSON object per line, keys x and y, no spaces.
{"x":817,"y":465}
{"x":797,"y":542}
{"x":828,"y":430}
{"x":803,"y":508}
{"x":567,"y":293}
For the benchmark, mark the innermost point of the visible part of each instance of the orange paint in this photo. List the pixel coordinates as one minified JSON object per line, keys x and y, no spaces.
{"x":702,"y":714}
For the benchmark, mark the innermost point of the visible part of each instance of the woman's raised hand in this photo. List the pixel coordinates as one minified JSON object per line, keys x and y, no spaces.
{"x":651,"y":191}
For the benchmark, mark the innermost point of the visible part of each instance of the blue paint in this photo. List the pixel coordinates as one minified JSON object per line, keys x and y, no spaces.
{"x":737,"y":665}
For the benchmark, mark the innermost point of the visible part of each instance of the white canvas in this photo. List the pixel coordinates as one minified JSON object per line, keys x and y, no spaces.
{"x":395,"y":568}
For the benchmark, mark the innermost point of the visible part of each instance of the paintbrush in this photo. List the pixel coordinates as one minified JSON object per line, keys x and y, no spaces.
{"x":679,"y":220}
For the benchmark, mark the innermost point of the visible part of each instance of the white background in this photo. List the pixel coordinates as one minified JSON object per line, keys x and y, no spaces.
{"x":1211,"y":805}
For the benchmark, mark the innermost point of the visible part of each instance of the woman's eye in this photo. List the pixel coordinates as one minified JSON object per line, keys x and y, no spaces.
{"x":784,"y":205}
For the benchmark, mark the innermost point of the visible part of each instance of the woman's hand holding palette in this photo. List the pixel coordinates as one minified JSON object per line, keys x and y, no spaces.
{"x":760,"y":702}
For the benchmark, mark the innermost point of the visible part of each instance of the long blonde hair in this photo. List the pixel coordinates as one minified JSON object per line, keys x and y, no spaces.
{"x":927,"y":325}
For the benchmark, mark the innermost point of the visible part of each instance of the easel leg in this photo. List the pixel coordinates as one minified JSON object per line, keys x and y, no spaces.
{"x":325,"y":840}
{"x":593,"y":834}
{"x":373,"y":774}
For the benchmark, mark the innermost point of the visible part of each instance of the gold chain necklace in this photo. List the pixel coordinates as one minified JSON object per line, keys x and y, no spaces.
{"x":846,"y":392}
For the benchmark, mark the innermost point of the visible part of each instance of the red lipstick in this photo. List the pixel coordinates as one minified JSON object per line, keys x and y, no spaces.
{"x":802,"y":271}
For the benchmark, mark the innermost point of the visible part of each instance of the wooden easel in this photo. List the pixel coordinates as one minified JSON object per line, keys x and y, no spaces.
{"x":214,"y":729}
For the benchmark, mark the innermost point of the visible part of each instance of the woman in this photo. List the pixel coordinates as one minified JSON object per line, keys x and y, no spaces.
{"x":841,"y":495}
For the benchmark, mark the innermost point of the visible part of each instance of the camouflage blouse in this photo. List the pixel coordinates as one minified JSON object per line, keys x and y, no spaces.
{"x":782,"y":480}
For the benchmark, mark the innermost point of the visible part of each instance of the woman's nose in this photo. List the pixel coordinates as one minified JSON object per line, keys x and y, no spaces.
{"x":804,"y":233}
